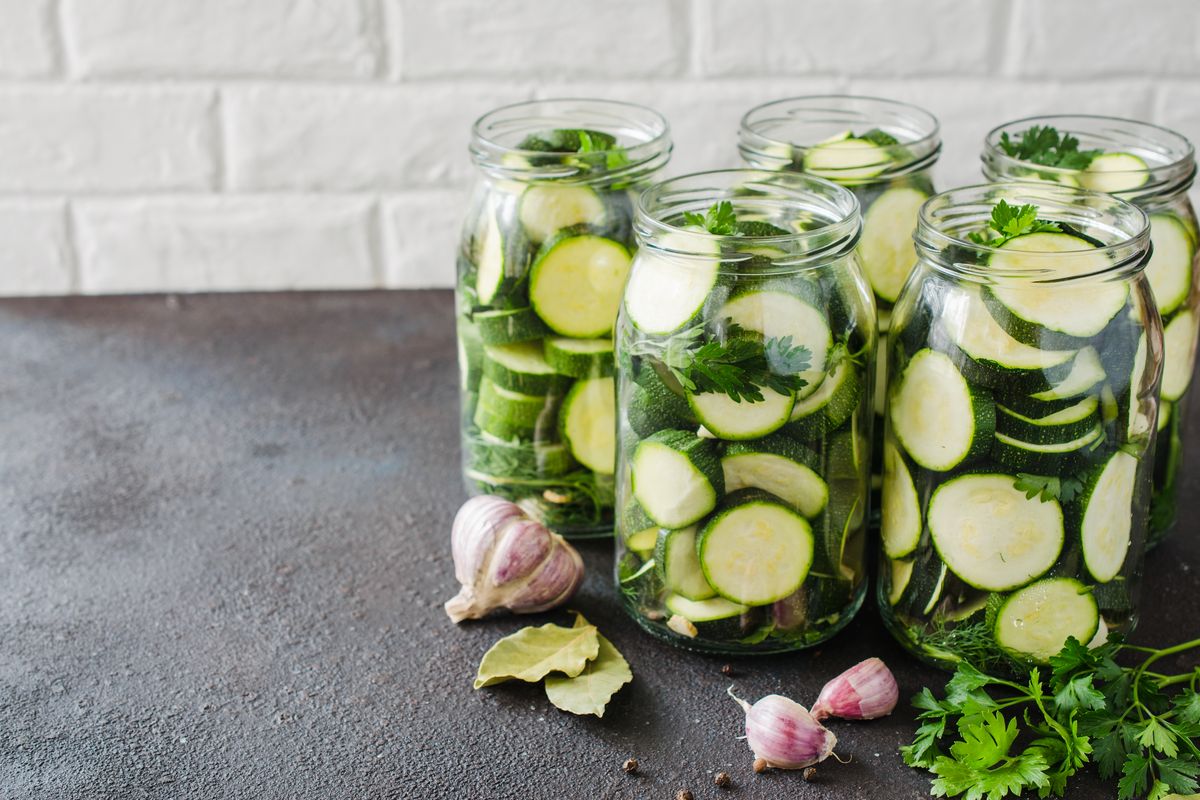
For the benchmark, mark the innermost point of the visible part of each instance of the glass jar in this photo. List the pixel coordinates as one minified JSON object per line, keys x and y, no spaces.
{"x":1018,"y":448}
{"x":884,"y":152}
{"x":1153,"y":168}
{"x":745,"y":359}
{"x":545,"y":251}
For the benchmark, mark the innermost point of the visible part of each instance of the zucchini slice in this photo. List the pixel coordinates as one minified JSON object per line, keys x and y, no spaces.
{"x":576,"y":282}
{"x":1037,"y":621}
{"x":580,"y":358}
{"x":676,"y":477}
{"x":1045,"y":458}
{"x":1170,"y":267}
{"x":990,"y":535}
{"x":775,"y":314}
{"x":520,"y":368}
{"x":508,"y":325}
{"x":664,"y":292}
{"x":470,"y":355}
{"x":715,"y":618}
{"x":900,"y":518}
{"x":828,"y":408}
{"x":756,"y":549}
{"x":1056,"y":427}
{"x":887,"y":250}
{"x":846,"y":159}
{"x":639,"y":531}
{"x":939,"y":418}
{"x":1107,"y":516}
{"x":1179,"y":354}
{"x":1114,"y":172}
{"x":733,"y":419}
{"x":1086,"y":374}
{"x":587,"y":423}
{"x":653,"y":407}
{"x":901,"y":574}
{"x":679,"y":566}
{"x":780,"y":466}
{"x":546,"y":208}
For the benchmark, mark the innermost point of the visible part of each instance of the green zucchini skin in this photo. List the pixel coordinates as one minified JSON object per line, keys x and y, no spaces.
{"x":1065,"y":425}
{"x":509,"y":325}
{"x":695,"y":460}
{"x":653,"y":407}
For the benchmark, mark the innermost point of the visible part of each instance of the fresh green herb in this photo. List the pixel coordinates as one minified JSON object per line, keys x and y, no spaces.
{"x":1091,"y":709}
{"x":602,"y":677}
{"x":1009,"y":222}
{"x":881,"y":138}
{"x":739,"y":366}
{"x":1062,"y":488}
{"x":719,"y":220}
{"x":1044,"y":145}
{"x":596,"y":150}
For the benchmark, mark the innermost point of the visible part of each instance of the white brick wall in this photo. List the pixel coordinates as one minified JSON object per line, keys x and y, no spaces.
{"x":176,"y":145}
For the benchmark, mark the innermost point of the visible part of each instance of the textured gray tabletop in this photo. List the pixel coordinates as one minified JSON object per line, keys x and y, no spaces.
{"x":223,"y":554}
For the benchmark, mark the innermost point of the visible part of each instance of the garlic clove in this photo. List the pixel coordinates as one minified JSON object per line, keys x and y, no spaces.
{"x":867,"y":690}
{"x":505,"y":560}
{"x":783,"y":734}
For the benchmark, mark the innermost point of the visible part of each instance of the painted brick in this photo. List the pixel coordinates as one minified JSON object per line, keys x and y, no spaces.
{"x":275,"y":38}
{"x":27,"y":46}
{"x":221,"y":243}
{"x":540,"y":38}
{"x":421,"y":231}
{"x":36,"y":248}
{"x":355,"y":138}
{"x":66,"y":138}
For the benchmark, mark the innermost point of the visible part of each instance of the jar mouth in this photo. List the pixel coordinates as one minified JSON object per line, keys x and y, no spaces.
{"x":946,"y":221}
{"x":643,"y":140}
{"x":777,"y":135}
{"x":1170,"y":157}
{"x":821,"y":218}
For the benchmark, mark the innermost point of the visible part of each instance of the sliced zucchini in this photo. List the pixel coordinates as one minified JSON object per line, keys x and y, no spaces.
{"x":587,"y":423}
{"x":756,"y":549}
{"x":828,"y":408}
{"x":501,"y":258}
{"x":470,"y":355}
{"x":1114,"y":172}
{"x":580,"y":358}
{"x":741,"y":419}
{"x":654,"y":407}
{"x":1170,"y":267}
{"x":518,"y":407}
{"x":1086,"y":374}
{"x":1056,"y":427}
{"x":1179,"y":354}
{"x":678,"y":565}
{"x":776,"y":313}
{"x":940,"y":419}
{"x":1045,"y":459}
{"x":639,"y":531}
{"x":900,"y":518}
{"x":676,"y":477}
{"x":990,"y":535}
{"x":576,"y":283}
{"x":666,"y":292}
{"x":781,"y":466}
{"x":1049,"y":316}
{"x":901,"y":574}
{"x":847,"y":160}
{"x":887,"y":249}
{"x":520,"y":368}
{"x":1164,"y":414}
{"x":546,"y":208}
{"x":715,"y":618}
{"x":1107,"y":516}
{"x":1037,"y":621}
{"x":883,"y":353}
{"x":508,"y":325}
{"x":936,"y":595}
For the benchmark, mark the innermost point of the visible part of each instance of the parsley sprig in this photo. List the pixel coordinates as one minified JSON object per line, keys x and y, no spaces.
{"x":719,"y":220}
{"x":990,"y":737}
{"x":1046,"y":146}
{"x":739,"y":364}
{"x":1010,"y":221}
{"x":1064,"y":488}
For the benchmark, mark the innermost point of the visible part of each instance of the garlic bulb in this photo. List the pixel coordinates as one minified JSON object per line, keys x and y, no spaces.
{"x":783,"y":734}
{"x":867,"y":690}
{"x":505,"y":560}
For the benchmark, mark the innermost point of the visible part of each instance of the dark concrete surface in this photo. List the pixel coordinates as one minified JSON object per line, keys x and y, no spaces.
{"x":223,"y":553}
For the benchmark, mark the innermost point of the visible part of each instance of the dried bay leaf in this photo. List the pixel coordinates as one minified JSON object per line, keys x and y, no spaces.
{"x":531,"y":654}
{"x":590,"y":690}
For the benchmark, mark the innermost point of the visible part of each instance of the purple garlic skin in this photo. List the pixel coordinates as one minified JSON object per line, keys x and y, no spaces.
{"x":784,"y":735}
{"x":867,"y":690}
{"x":505,"y":560}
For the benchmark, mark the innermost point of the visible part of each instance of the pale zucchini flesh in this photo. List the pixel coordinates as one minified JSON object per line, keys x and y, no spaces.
{"x":1107,"y":522}
{"x":900,"y":519}
{"x":588,"y":423}
{"x":1037,"y":621}
{"x":887,"y":250}
{"x":939,"y":419}
{"x":756,"y":552}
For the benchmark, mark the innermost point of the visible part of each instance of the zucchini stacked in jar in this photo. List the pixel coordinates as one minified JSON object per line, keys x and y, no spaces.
{"x":745,"y":352}
{"x":545,"y":252}
{"x":1021,"y":404}
{"x":1153,"y":168}
{"x":882,"y":151}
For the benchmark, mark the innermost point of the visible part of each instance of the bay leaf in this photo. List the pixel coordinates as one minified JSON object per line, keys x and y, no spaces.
{"x":590,"y":690}
{"x":531,"y":654}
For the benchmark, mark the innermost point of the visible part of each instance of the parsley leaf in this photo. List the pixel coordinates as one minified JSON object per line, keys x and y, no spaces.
{"x":1079,"y":694}
{"x":1048,"y":487}
{"x":1044,"y":145}
{"x":719,"y":220}
{"x":1009,"y":222}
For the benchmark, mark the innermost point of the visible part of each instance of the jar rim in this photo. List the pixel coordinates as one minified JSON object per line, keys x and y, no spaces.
{"x":496,"y":134}
{"x":918,"y":152}
{"x":1173,"y":173}
{"x":946,"y":218}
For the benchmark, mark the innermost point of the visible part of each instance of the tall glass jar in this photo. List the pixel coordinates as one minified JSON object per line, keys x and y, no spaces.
{"x":745,"y":360}
{"x":545,"y":251}
{"x":1153,"y":168}
{"x":1021,"y":404}
{"x":884,"y":152}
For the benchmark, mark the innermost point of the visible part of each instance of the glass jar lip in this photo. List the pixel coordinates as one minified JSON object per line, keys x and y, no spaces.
{"x":1083,"y":209}
{"x":697,"y":191}
{"x":758,"y":148}
{"x":504,"y":159}
{"x":1175,"y":173}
